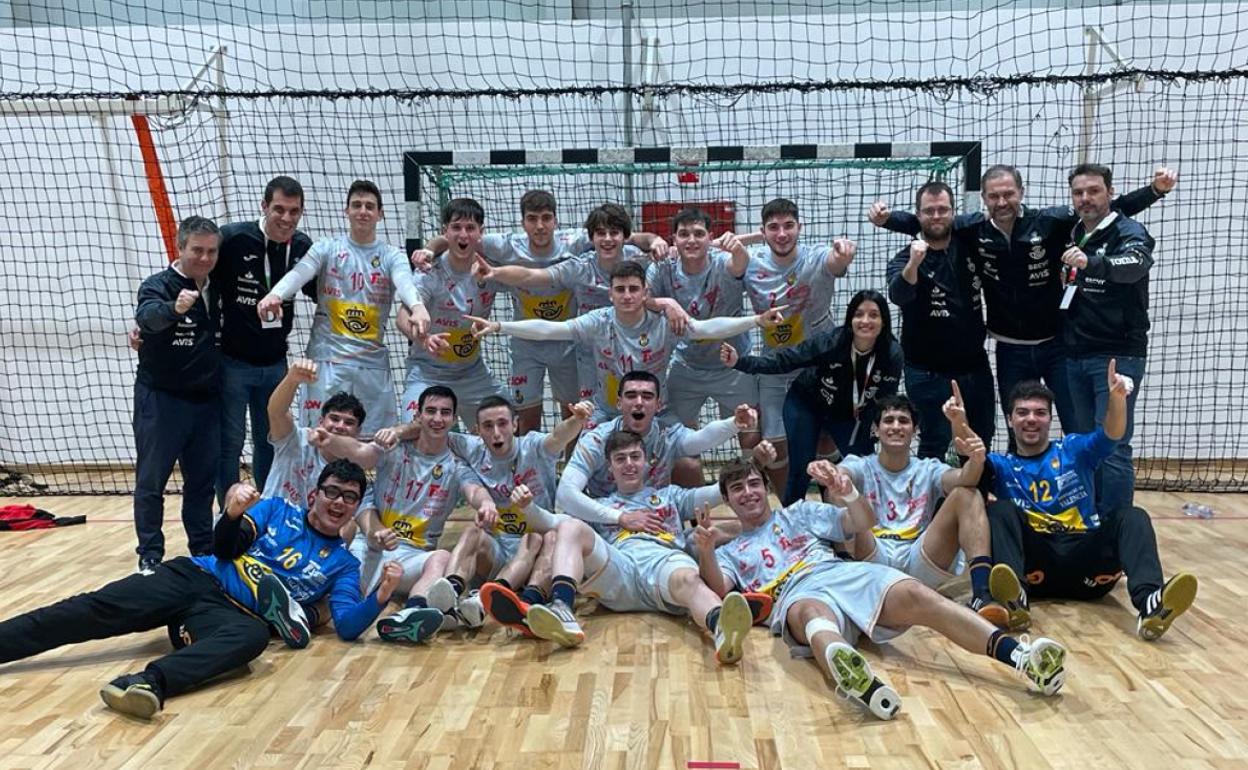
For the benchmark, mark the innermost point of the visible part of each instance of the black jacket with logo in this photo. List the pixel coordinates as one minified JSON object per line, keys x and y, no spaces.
{"x":180,"y":353}
{"x":942,"y":315}
{"x":245,"y":272}
{"x":827,"y":378}
{"x":1109,"y":312}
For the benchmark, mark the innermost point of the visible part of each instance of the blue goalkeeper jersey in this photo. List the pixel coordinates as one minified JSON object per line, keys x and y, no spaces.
{"x":1056,"y":490}
{"x":309,"y":564}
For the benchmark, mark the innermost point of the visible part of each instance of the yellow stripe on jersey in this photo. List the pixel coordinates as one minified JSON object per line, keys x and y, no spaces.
{"x":664,"y":537}
{"x":783,"y":335}
{"x":463,"y":347}
{"x":907,"y":533}
{"x":613,"y":389}
{"x":511,"y":521}
{"x":774,"y":588}
{"x":251,"y":570}
{"x":354,"y":319}
{"x":1068,"y":520}
{"x":555,"y":307}
{"x":410,"y":529}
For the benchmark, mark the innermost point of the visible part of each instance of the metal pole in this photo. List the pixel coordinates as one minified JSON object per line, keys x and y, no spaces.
{"x":626,"y":21}
{"x":223,"y":144}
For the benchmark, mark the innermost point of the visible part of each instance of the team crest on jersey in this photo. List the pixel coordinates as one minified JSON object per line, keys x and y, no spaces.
{"x":323,"y":553}
{"x":519,"y":397}
{"x":1055,"y":463}
{"x":775,"y":528}
{"x":643,"y":340}
{"x":655,"y":500}
{"x":791,"y":278}
{"x":376,"y":261}
{"x":356,"y":321}
{"x":437,"y":471}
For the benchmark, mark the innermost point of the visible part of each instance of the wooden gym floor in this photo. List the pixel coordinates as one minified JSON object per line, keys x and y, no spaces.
{"x":644,"y":690}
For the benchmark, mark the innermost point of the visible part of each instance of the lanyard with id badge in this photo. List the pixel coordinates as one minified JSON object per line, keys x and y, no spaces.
{"x":272,"y":321}
{"x":1072,"y":273}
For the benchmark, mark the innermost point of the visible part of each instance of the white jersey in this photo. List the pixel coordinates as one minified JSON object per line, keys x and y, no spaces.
{"x":416,"y":492}
{"x":589,"y":283}
{"x":664,"y":444}
{"x":356,"y":287}
{"x":449,"y":295}
{"x":805,"y":286}
{"x":557,"y":303}
{"x":616,"y":350}
{"x":904,"y":501}
{"x":674,"y":505}
{"x":766,"y":558}
{"x":713,"y":293}
{"x":296,"y":466}
{"x":528,"y":463}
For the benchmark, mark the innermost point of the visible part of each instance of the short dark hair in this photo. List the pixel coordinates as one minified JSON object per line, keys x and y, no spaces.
{"x":689,"y":216}
{"x":438,"y":391}
{"x":364,"y":187}
{"x":493,"y":402}
{"x":739,"y":468}
{"x":537,"y":200}
{"x":1030,"y":389}
{"x":1001,"y":170}
{"x":629,"y":269}
{"x":286,"y":185}
{"x":621,"y":439}
{"x":639,"y":375}
{"x":345,"y":471}
{"x":462,"y":208}
{"x":609,"y":216}
{"x":194,"y":225}
{"x":1092,"y":169}
{"x":344,"y":402}
{"x":779,"y":207}
{"x":896,"y":403}
{"x":932,"y":188}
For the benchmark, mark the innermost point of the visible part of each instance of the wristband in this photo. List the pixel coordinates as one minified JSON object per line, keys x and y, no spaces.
{"x":851,"y":497}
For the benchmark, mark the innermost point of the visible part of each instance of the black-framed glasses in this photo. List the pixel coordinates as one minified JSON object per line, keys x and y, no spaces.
{"x":332,"y":492}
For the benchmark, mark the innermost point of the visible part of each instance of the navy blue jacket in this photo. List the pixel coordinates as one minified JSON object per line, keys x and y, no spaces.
{"x":180,"y":353}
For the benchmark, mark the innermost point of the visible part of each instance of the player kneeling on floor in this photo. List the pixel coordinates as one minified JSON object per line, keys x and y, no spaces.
{"x":823,"y":603}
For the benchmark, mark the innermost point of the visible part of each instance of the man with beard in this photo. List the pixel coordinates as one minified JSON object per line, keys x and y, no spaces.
{"x":935,"y":283}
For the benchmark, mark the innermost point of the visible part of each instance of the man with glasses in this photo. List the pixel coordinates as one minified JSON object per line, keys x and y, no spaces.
{"x":268,"y":556}
{"x":935,"y":283}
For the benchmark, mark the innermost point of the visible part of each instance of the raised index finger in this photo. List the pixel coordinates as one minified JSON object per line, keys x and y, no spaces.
{"x":957,"y":392}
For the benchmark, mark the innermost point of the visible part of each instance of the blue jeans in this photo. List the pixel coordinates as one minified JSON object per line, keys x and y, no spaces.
{"x":245,"y":387}
{"x":1046,"y":362}
{"x":804,"y":420}
{"x":1089,"y":389}
{"x":930,"y":390}
{"x":170,"y":429}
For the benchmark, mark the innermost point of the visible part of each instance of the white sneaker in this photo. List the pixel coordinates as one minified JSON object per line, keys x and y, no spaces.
{"x":1042,"y":663}
{"x":735,"y":620}
{"x":471,"y":611}
{"x":855,"y":681}
{"x":555,"y":622}
{"x":441,"y":595}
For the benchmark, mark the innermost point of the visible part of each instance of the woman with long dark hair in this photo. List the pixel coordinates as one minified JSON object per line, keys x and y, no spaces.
{"x":845,"y":370}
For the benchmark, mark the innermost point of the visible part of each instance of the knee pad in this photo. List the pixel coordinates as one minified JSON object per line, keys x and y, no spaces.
{"x":819,"y":625}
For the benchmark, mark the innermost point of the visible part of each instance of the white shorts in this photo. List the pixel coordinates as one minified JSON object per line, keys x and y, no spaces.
{"x":472,"y":385}
{"x":853,"y":590}
{"x":505,"y":548}
{"x":373,"y":387}
{"x":531,"y":360}
{"x":772,"y":388}
{"x":688,"y":388}
{"x":637,"y":577}
{"x":908,"y":557}
{"x":410,"y":558}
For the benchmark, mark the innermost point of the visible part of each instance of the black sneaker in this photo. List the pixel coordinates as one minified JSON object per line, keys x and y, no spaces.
{"x":134,"y":694}
{"x":282,"y":612}
{"x":148,"y":565}
{"x":1164,"y":605}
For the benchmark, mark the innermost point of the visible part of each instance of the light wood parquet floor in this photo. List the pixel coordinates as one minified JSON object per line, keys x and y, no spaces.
{"x":644,"y":691}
